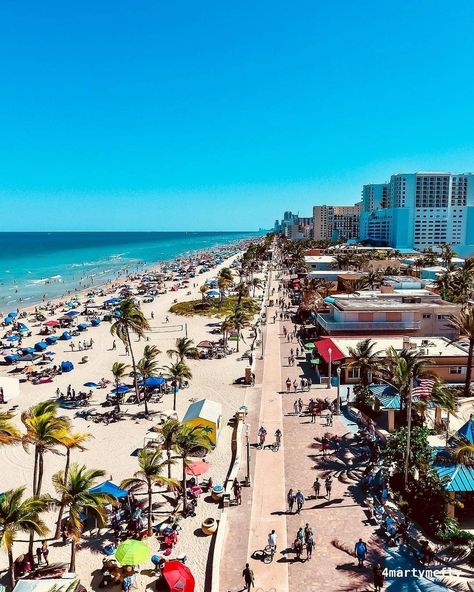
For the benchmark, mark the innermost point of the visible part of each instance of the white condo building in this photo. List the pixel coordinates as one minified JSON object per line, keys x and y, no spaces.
{"x":420,"y":210}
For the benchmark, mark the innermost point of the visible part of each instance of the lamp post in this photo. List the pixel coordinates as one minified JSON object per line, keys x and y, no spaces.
{"x":247,"y":437}
{"x":330,"y":368}
{"x":338,"y":400}
{"x":408,"y":443}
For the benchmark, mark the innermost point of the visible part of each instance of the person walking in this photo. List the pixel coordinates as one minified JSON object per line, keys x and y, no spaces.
{"x":45,"y":552}
{"x":237,"y":491}
{"x":288,"y":384}
{"x":248,"y":576}
{"x":291,"y":500}
{"x":324,"y":445}
{"x":272,"y":540}
{"x":378,"y":577}
{"x":309,"y":547}
{"x":308,"y":531}
{"x":299,"y":498}
{"x":300,"y":404}
{"x":317,"y":487}
{"x":328,"y":486}
{"x":296,"y":407}
{"x":360,"y":549}
{"x":295,"y":386}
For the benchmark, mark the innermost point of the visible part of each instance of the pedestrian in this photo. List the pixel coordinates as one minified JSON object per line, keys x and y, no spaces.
{"x":297,"y":352}
{"x":114,"y":345}
{"x":309,"y":382}
{"x":295,"y":385}
{"x":378,"y":577}
{"x":329,"y":419}
{"x":300,"y":404}
{"x":308,"y":532}
{"x":288,"y":384}
{"x":248,"y":576}
{"x":299,"y":501}
{"x":45,"y":552}
{"x":361,"y":552}
{"x":291,"y":500}
{"x":302,"y":384}
{"x":300,"y":534}
{"x":328,"y":486}
{"x":289,"y":360}
{"x":309,"y":547}
{"x":237,"y":491}
{"x":317,"y":487}
{"x":314,"y":412}
{"x":296,"y":407}
{"x":291,"y":352}
{"x":272,"y":540}
{"x":324,"y":445}
{"x":298,"y":547}
{"x":39,"y":554}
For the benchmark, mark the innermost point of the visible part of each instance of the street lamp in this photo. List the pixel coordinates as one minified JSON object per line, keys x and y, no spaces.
{"x":330,"y":368}
{"x":247,"y":436}
{"x":338,"y":400}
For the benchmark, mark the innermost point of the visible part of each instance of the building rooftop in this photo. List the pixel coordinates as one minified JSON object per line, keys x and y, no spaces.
{"x":319,"y":259}
{"x":398,"y":299}
{"x":431,"y":346}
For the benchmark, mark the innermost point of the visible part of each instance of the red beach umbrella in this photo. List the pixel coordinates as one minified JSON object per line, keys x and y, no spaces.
{"x":197,"y":468}
{"x":51,"y":323}
{"x":178,"y":577}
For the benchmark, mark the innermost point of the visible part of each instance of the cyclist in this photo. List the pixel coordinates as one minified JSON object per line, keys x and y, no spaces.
{"x":278,"y":438}
{"x":262,"y":434}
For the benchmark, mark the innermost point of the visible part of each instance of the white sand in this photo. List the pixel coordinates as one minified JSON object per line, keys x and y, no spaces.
{"x":112,"y":446}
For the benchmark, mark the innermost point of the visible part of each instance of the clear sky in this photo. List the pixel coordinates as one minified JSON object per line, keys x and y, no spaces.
{"x":185,"y":115}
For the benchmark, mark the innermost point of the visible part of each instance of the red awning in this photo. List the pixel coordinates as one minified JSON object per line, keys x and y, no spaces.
{"x":323,"y":345}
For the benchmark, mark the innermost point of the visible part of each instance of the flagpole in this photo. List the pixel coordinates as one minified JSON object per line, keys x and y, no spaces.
{"x":408,"y":445}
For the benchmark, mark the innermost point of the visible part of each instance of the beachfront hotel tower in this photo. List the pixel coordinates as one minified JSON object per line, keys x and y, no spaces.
{"x":336,"y":222}
{"x":420,"y":210}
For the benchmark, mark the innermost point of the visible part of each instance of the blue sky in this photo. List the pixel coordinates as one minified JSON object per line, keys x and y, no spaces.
{"x":182,"y":115}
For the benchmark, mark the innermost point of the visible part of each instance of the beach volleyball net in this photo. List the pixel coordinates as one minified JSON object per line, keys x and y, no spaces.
{"x":167,"y":329}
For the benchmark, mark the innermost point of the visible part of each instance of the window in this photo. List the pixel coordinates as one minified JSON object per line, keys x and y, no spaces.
{"x":443,"y":317}
{"x":353,"y":373}
{"x":427,"y":315}
{"x":456,"y":370}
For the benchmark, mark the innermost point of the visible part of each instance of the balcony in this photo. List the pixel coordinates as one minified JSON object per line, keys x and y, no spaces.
{"x":332,"y":326}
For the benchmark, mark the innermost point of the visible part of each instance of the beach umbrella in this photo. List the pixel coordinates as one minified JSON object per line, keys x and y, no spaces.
{"x":51,"y":323}
{"x":109,"y":488}
{"x":71,"y":314}
{"x":178,"y":577}
{"x":309,"y":345}
{"x":153,"y":381}
{"x":13,"y":338}
{"x":132,"y":552}
{"x":91,"y":385}
{"x":12,"y":314}
{"x":197,"y":468}
{"x":121,"y":390}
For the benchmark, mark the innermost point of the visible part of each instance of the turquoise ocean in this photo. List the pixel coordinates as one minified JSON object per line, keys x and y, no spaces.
{"x":34,"y":265}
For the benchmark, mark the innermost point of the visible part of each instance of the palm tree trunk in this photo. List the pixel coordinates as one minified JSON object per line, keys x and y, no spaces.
{"x":145,"y":401}
{"x":168,"y":454}
{"x":134,"y":366}
{"x":36,"y":492}
{"x":467,"y":384}
{"x":238,"y":339}
{"x":183,"y":485}
{"x":35,"y":471}
{"x":11,"y":568}
{"x":72,"y":565}
{"x":117,"y":396}
{"x":174,"y":396}
{"x":40,"y":473}
{"x":61,"y":508}
{"x":149,"y":507}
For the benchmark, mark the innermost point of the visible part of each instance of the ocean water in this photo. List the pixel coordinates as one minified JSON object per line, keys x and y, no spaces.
{"x":37,"y":265}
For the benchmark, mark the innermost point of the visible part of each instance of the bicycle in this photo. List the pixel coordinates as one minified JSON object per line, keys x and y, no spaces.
{"x":268,"y":553}
{"x":275,"y":446}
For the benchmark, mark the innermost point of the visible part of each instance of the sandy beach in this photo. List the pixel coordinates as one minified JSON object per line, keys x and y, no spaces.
{"x":113,"y":447}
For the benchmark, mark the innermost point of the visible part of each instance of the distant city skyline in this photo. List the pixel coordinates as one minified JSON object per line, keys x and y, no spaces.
{"x":211,"y":117}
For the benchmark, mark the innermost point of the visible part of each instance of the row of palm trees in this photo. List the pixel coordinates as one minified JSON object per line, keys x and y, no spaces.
{"x":46,"y":431}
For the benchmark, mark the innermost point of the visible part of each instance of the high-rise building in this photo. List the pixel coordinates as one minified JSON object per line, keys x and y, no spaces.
{"x":420,"y":210}
{"x":336,"y":222}
{"x":294,"y":227}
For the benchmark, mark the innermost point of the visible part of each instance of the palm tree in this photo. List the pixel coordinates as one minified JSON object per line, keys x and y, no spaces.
{"x":168,"y":431}
{"x":188,"y":440}
{"x":239,"y":320}
{"x":366,"y":359}
{"x":75,"y":493}
{"x":242,"y":290}
{"x":19,"y":515}
{"x":401,"y":368}
{"x":447,"y":254}
{"x":256,"y":284}
{"x":151,"y":352}
{"x":374,"y":279}
{"x":178,"y":371}
{"x":152,"y":466}
{"x":355,"y":286}
{"x":464,"y":323}
{"x":148,"y":368}
{"x":73,"y":441}
{"x":9,"y":434}
{"x":131,"y":320}
{"x":184,"y":349}
{"x":226,"y":328}
{"x":464,"y":454}
{"x":119,"y":371}
{"x":203,"y":289}
{"x":324,"y":287}
{"x":45,"y":431}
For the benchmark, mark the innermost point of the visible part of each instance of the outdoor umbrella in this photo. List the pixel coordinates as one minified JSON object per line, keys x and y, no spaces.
{"x":51,"y":323}
{"x":178,"y":577}
{"x":197,"y":468}
{"x":71,"y":313}
{"x":132,"y":552}
{"x":91,"y":384}
{"x":13,"y":338}
{"x":309,"y":345}
{"x":120,"y":390}
{"x":153,"y":381}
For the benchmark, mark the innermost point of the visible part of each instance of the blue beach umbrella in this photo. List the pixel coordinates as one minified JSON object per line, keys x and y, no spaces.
{"x":91,"y":385}
{"x":121,"y":390}
{"x":13,"y":338}
{"x":71,"y":314}
{"x":152,"y":381}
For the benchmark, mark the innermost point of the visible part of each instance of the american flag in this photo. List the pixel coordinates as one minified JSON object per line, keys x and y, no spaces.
{"x":424,"y":389}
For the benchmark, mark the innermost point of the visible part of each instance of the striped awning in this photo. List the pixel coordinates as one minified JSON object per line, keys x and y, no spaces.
{"x":458,"y":478}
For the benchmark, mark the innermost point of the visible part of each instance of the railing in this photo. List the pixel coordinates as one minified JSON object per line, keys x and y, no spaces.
{"x":330,"y":324}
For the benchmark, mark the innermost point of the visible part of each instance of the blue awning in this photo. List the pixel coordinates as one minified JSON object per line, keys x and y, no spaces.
{"x":467,"y":431}
{"x":459,"y":478}
{"x":109,"y":488}
{"x":152,"y":381}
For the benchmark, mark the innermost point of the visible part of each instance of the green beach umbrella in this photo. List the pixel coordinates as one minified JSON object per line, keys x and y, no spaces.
{"x":315,"y":361}
{"x":309,"y":345}
{"x":132,"y":552}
